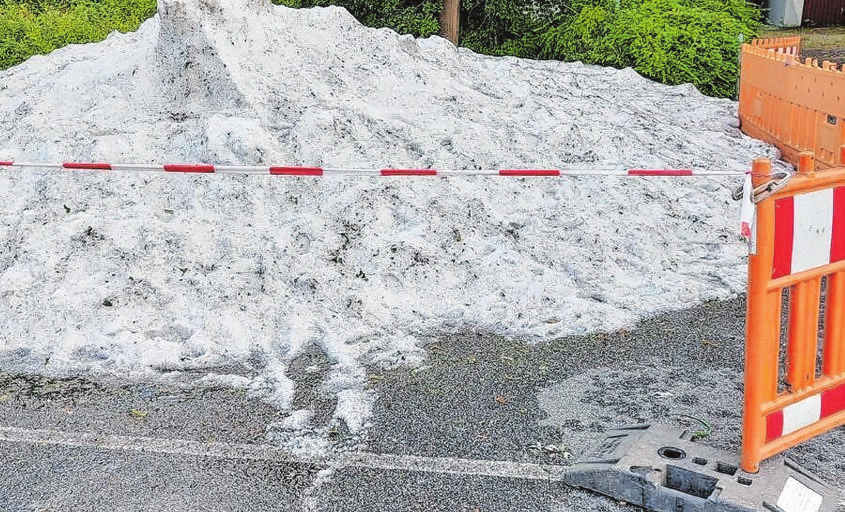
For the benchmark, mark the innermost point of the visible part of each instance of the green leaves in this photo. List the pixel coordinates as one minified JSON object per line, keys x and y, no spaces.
{"x":421,"y":19}
{"x":671,"y":41}
{"x":33,"y":27}
{"x":675,"y":43}
{"x":583,"y":37}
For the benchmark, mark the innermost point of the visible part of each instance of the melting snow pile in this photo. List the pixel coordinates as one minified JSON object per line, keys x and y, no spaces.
{"x":150,"y":274}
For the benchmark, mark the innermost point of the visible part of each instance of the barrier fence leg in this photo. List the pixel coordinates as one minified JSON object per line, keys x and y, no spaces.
{"x":834,"y":332}
{"x":762,"y":333}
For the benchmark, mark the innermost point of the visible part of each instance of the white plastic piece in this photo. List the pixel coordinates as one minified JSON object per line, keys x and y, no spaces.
{"x":797,"y":497}
{"x":747,"y":215}
{"x":813,"y":229}
{"x":802,"y":414}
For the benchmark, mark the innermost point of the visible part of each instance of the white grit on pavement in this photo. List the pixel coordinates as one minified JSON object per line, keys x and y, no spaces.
{"x":149,"y":275}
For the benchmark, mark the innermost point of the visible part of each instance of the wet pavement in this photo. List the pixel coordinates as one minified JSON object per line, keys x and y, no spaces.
{"x":469,"y":430}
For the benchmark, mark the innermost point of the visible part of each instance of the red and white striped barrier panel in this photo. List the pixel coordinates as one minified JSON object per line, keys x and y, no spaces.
{"x":804,"y":413}
{"x":795,"y":349}
{"x":202,"y":168}
{"x":809,"y":231}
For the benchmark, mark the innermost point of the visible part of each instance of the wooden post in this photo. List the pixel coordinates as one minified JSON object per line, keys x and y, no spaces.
{"x":450,"y":20}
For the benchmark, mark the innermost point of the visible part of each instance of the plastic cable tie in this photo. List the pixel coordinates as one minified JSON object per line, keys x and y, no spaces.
{"x":747,"y":215}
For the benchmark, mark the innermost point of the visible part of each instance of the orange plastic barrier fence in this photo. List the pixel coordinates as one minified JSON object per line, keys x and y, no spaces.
{"x":795,"y":389}
{"x":790,"y":45}
{"x":797,"y":105}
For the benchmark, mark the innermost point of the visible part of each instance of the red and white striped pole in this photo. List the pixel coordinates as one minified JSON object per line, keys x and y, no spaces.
{"x":202,"y":168}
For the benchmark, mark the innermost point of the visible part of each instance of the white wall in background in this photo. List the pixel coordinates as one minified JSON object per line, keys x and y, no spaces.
{"x":786,"y":13}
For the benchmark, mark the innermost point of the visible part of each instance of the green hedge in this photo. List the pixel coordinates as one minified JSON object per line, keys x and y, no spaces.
{"x":33,"y":27}
{"x":672,"y":41}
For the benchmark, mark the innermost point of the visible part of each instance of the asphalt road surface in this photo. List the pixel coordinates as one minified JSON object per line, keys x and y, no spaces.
{"x":487,"y":424}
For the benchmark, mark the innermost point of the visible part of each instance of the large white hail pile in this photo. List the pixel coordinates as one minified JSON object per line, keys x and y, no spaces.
{"x":149,"y":274}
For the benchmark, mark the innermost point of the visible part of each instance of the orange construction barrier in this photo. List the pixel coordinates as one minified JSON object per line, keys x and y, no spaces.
{"x":794,"y":388}
{"x":797,"y":105}
{"x":800,"y":240}
{"x":789,"y":45}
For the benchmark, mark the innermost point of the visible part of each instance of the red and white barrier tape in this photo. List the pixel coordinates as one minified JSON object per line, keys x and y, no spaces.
{"x":746,"y":222}
{"x":321,"y":171}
